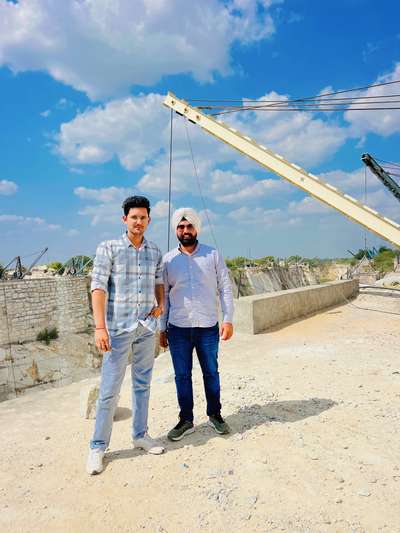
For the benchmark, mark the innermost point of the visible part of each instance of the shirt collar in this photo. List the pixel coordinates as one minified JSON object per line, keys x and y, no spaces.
{"x":128,"y":242}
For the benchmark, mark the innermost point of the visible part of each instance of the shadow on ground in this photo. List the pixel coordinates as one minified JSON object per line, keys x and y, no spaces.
{"x":245,"y":419}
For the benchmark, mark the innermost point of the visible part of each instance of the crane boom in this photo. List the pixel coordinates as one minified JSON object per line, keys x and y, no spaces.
{"x":326,"y":193}
{"x":382,"y":175}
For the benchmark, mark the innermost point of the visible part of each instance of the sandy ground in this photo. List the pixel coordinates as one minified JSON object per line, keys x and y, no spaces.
{"x":314,"y":411}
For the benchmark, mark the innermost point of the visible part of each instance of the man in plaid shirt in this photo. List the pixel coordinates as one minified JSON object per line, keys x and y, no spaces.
{"x":126,"y":284}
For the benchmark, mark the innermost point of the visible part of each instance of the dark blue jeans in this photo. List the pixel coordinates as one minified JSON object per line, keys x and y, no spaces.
{"x":181,"y":342}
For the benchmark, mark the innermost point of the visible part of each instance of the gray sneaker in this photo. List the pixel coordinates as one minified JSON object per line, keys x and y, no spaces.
{"x":182,"y":428}
{"x":219,"y":425}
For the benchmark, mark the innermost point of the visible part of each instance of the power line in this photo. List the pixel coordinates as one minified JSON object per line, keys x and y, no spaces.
{"x":321,"y":102}
{"x":309,"y":97}
{"x":285,"y":103}
{"x":298,"y":109}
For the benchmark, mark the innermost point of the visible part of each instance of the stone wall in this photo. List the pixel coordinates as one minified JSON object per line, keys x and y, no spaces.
{"x":255,"y":314}
{"x":28,"y":306}
{"x":259,"y":280}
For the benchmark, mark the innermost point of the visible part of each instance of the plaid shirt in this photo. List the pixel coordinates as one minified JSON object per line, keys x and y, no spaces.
{"x":128,"y":275}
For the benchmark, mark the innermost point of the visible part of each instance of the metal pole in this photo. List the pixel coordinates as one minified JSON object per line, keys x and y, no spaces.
{"x":170,"y":181}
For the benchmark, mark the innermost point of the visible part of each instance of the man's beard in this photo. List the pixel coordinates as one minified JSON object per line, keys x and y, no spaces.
{"x":188,"y":240}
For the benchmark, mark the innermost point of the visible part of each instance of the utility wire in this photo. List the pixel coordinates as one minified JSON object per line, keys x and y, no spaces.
{"x":299,"y":100}
{"x":298,"y":109}
{"x":321,"y":102}
{"x":199,"y":186}
{"x":285,"y":103}
{"x":310,"y":97}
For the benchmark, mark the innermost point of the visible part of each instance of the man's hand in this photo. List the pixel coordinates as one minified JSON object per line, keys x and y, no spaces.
{"x":102,"y":340}
{"x":157,"y":311}
{"x":226,"y":331}
{"x":163,"y":339}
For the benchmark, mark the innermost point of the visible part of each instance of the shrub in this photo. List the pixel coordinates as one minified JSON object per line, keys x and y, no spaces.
{"x":56,"y":266}
{"x":46,"y":335}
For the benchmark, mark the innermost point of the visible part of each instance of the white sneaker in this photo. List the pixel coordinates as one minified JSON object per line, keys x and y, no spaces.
{"x":148,"y":444}
{"x":94,"y":463}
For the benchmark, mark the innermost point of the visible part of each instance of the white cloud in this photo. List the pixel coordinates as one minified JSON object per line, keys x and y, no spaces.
{"x":107,"y":194}
{"x":136,"y":131}
{"x":32,"y":222}
{"x":377,"y":196}
{"x":106,"y":204}
{"x":382,"y":201}
{"x":75,"y":170}
{"x":229,"y":187}
{"x":109,"y":213}
{"x":106,"y":207}
{"x":308,"y":206}
{"x":156,"y":177}
{"x":380,"y":122}
{"x":132,"y":129}
{"x":259,"y":215}
{"x":352,"y":182}
{"x":8,"y":188}
{"x":300,"y":137}
{"x":160,"y":209}
{"x":103,"y":48}
{"x":348,"y":181}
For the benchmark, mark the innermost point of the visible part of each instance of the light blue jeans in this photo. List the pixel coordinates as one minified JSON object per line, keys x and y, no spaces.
{"x":142,"y":342}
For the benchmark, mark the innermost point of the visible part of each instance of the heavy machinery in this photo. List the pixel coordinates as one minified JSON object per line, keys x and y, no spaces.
{"x":319,"y":189}
{"x":382,"y":175}
{"x":19,"y":271}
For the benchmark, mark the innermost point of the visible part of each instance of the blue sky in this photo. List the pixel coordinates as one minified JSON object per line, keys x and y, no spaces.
{"x":82,"y":124}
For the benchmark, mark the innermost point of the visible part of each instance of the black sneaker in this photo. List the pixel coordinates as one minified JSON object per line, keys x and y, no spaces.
{"x":219,"y":424}
{"x":182,"y":428}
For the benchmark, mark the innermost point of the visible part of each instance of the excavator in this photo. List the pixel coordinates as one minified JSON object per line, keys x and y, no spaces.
{"x":311,"y":184}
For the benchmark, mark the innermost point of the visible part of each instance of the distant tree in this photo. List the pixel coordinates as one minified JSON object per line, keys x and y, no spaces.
{"x":293,"y":259}
{"x":1,"y":269}
{"x":383,"y":261}
{"x":266,"y":260}
{"x":315,"y":261}
{"x":384,"y":249}
{"x":57,"y":266}
{"x":236,"y":262}
{"x":79,"y":261}
{"x":360,"y":254}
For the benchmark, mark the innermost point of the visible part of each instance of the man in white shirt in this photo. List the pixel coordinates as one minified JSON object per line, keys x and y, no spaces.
{"x":194,"y":274}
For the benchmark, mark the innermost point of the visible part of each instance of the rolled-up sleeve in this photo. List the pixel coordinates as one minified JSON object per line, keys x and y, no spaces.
{"x":101,"y":267}
{"x":224,"y":288}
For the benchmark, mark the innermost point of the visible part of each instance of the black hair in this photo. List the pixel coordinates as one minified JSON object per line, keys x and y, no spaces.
{"x":135,"y":201}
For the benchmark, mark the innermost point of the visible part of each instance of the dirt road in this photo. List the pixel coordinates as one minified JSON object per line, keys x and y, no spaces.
{"x":315,"y":416}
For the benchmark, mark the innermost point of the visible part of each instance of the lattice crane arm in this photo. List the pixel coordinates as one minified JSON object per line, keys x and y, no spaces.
{"x":382,"y":175}
{"x":319,"y":189}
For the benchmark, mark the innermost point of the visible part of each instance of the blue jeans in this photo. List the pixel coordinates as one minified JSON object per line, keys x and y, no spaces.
{"x":181,"y":342}
{"x":141,"y":341}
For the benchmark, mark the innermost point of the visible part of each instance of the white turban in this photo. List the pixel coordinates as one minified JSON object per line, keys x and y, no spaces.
{"x":189,"y":214}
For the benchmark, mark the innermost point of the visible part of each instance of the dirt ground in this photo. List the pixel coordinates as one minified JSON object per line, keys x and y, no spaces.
{"x":314,"y":411}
